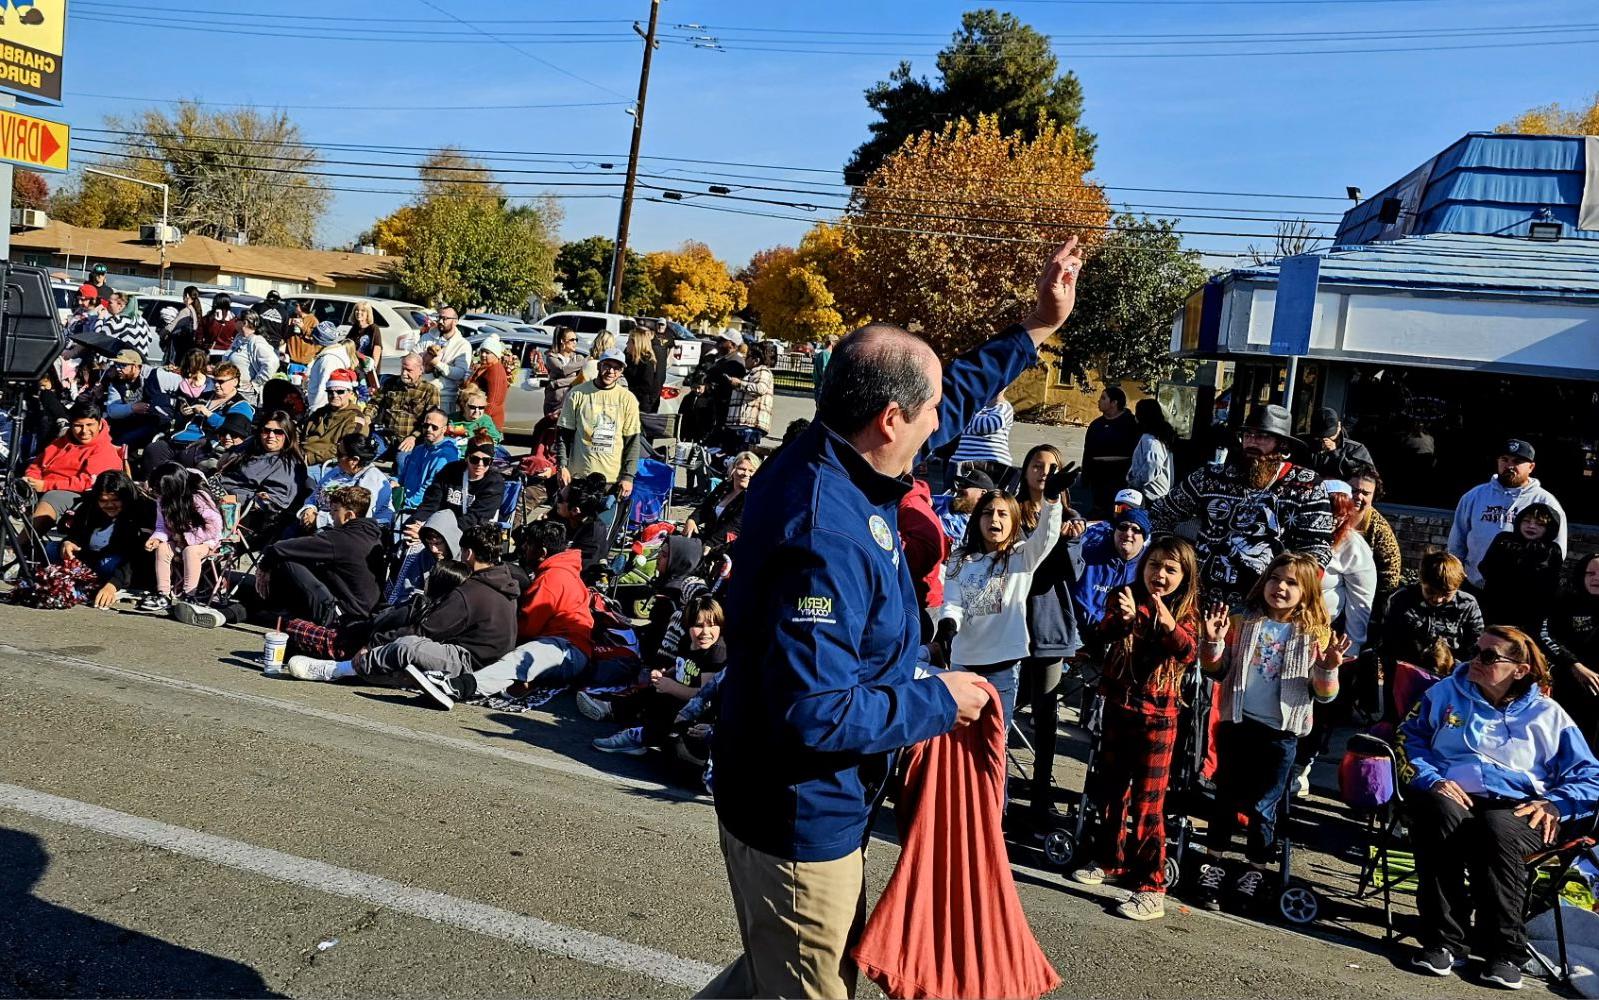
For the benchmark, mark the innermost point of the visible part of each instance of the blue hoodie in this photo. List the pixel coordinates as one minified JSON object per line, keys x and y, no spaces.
{"x":1101,"y":568}
{"x":416,"y":468}
{"x":1529,"y":749}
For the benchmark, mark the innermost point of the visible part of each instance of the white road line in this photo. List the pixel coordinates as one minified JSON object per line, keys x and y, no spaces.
{"x":558,"y":764}
{"x":555,"y":939}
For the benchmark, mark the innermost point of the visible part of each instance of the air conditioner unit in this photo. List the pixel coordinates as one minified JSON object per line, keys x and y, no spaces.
{"x":237,"y":237}
{"x":153,"y":233}
{"x":28,"y":218}
{"x":371,"y":250}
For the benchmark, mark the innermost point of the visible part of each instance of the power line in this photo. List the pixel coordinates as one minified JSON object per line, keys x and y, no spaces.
{"x":352,"y":107}
{"x":1078,"y":54}
{"x":141,"y":7}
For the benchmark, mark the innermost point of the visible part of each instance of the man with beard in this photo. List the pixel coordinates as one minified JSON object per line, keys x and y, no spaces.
{"x":600,"y":429}
{"x":1488,"y":509}
{"x":1252,"y":508}
{"x":954,"y":508}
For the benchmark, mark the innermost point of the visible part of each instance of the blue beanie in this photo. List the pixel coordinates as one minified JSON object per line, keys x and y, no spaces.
{"x":1136,"y":515}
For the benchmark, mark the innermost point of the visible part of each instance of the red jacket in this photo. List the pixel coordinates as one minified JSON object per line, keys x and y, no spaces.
{"x":925,"y":544}
{"x":556,"y":604}
{"x":490,"y":377}
{"x":67,"y":465}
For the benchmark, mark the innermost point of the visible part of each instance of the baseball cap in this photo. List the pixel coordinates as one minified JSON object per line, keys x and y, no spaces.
{"x":1520,"y":450}
{"x":88,"y":291}
{"x":975,"y":479}
{"x":1129,"y":498}
{"x":612,"y":355}
{"x":128,"y":356}
{"x":730,"y":337}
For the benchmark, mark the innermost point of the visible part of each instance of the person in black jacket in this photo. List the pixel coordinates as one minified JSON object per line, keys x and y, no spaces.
{"x":643,"y":372}
{"x":579,"y":509}
{"x":717,"y":520}
{"x":107,"y":535}
{"x":1333,"y":454}
{"x":471,"y":488}
{"x":1570,"y":635}
{"x":1521,"y":570}
{"x":333,"y":575}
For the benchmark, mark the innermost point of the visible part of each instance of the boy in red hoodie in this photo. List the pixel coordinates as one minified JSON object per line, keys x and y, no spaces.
{"x":554,"y":624}
{"x":68,"y":465}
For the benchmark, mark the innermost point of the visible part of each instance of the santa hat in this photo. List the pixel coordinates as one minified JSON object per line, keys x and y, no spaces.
{"x":342,"y":378}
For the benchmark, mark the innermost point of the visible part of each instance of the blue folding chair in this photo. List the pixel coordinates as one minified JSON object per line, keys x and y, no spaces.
{"x":652,"y":493}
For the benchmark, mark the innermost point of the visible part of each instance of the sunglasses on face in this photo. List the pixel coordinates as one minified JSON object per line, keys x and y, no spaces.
{"x":338,"y":392}
{"x":1490,"y":658}
{"x":479,"y":459}
{"x":433,"y":427}
{"x":273,"y":432}
{"x":476,"y":409}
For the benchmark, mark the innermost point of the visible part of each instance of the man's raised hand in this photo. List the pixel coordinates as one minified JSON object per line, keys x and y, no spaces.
{"x":1057,"y":291}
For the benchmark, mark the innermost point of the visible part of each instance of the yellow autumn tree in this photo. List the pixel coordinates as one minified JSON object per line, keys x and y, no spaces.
{"x":789,"y":288}
{"x":692,"y":286}
{"x":1555,"y":119}
{"x":946,"y":237}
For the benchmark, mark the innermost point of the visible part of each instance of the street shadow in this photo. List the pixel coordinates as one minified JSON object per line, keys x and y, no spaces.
{"x":49,"y":950}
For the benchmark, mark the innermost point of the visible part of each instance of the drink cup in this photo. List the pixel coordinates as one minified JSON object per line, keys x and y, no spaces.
{"x":273,"y":647}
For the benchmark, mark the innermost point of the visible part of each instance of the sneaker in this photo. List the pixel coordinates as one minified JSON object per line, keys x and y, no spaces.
{"x":1091,"y":875}
{"x":306,"y":668}
{"x":1211,"y":879}
{"x":435,"y":685}
{"x":1436,"y":961}
{"x":1502,"y":973}
{"x":1302,"y":784}
{"x":594,"y":708}
{"x":628,"y":741}
{"x":1144,"y":906}
{"x":155,"y":604}
{"x":193,"y":613}
{"x":1248,"y":886}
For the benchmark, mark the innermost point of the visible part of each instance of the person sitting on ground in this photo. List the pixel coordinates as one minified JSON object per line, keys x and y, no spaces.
{"x":1494,"y":767}
{"x":339,"y":417}
{"x":1521,"y":570}
{"x":1107,"y":559}
{"x":439,"y":540}
{"x":555,"y":630}
{"x":716,"y":521}
{"x":352,"y":467}
{"x":270,"y":468}
{"x":954,"y":508}
{"x":475,"y":419}
{"x":403,"y":402}
{"x":472,"y":626}
{"x":188,"y":529}
{"x":331,"y":576}
{"x":680,"y":670}
{"x":1432,"y":609}
{"x":471,"y":489}
{"x":425,"y":453}
{"x":1571,"y":635}
{"x":69,"y":464}
{"x":578,"y":509}
{"x":107,"y":535}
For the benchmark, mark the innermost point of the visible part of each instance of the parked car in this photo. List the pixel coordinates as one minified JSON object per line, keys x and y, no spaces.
{"x":399,"y":323}
{"x":587,"y":324}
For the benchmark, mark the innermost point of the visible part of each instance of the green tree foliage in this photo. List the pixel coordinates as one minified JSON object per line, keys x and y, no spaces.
{"x":583,"y":269}
{"x":994,"y":65}
{"x":476,"y":253}
{"x":1133,"y":284}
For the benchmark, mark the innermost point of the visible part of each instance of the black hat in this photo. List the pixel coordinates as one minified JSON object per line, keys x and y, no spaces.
{"x":974,"y":479}
{"x":1276,"y":421}
{"x":1520,"y":450}
{"x":1326,"y":423}
{"x":238,"y":425}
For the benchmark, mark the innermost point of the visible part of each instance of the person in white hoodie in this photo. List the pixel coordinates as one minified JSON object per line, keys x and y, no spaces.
{"x":1491,"y":508}
{"x":334,"y":354}
{"x":983,"y":623}
{"x":1349,"y":584}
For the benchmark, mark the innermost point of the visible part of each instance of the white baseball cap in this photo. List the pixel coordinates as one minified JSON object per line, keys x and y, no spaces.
{"x":1130,"y":497}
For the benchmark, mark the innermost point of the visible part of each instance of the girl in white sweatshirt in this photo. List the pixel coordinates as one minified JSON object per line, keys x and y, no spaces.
{"x":983,"y":623}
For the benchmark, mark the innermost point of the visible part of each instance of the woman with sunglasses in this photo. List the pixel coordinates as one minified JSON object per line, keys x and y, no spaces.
{"x":471,"y":489}
{"x":270,"y":467}
{"x":1495,"y":767}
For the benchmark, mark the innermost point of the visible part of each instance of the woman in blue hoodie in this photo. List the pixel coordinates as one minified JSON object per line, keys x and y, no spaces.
{"x":1494,"y":766}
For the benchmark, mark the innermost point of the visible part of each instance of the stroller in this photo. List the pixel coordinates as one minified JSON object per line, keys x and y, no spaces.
{"x":1063,"y":844}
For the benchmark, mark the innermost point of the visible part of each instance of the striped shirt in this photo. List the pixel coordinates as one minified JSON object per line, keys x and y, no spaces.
{"x":987,"y":437}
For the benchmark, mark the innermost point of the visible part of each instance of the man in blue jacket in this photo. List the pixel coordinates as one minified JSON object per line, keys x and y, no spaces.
{"x":823,"y":630}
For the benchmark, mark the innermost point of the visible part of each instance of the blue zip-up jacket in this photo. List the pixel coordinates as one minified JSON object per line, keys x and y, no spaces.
{"x":416,"y":468}
{"x":1100,"y":570}
{"x":823,"y":630}
{"x":1530,"y":749}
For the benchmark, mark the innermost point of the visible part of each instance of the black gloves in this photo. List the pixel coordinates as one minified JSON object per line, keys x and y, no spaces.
{"x":1060,"y":481}
{"x":946,"y":631}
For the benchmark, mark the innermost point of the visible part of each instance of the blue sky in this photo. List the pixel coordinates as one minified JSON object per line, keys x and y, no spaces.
{"x":1251,"y":124}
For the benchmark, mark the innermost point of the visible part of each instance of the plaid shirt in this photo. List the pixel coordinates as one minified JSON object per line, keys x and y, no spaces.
{"x":400,"y":408}
{"x":750,"y":404}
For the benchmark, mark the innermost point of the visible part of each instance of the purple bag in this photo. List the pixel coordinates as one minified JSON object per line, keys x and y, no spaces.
{"x":1365,"y":781}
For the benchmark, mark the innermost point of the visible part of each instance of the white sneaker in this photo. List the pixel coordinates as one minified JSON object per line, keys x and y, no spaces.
{"x":1144,"y":906}
{"x":594,"y":708}
{"x":1090,"y":875}
{"x":306,"y":668}
{"x":628,"y":741}
{"x":1302,"y":784}
{"x":202,"y":615}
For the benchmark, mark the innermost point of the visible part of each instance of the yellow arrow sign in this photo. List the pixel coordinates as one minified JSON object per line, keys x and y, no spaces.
{"x":33,"y":142}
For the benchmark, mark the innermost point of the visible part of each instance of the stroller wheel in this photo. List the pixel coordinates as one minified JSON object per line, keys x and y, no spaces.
{"x":1059,"y":848}
{"x":1174,"y":873}
{"x":1299,"y":905}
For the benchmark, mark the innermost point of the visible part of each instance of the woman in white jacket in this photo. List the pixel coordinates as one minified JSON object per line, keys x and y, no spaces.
{"x":1153,"y":472}
{"x":1350,"y":582}
{"x":983,"y":623}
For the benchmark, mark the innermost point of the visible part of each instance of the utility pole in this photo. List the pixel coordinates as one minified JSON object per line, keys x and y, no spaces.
{"x":613,"y":299}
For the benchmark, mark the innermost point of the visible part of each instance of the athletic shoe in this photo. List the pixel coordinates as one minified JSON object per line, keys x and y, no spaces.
{"x":193,"y":613}
{"x":1503,"y":974}
{"x":1091,"y":875}
{"x":1248,"y":886}
{"x":1144,"y":906}
{"x":155,"y":604}
{"x":628,"y":741}
{"x":1211,"y":879}
{"x":436,"y":685}
{"x":598,"y":709}
{"x":1439,"y":961}
{"x":306,"y":668}
{"x":1302,"y":784}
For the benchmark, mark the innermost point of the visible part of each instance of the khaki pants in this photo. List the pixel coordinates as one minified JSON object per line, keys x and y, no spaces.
{"x":798,"y":921}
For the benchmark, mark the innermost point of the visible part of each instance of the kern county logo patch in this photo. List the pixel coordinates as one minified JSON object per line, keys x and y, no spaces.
{"x":814,"y":610}
{"x":880,"y":533}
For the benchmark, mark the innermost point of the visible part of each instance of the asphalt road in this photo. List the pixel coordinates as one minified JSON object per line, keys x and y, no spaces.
{"x":174,"y":823}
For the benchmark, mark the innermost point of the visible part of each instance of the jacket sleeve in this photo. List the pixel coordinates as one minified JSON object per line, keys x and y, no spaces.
{"x":1181,"y":504}
{"x":820,"y":603}
{"x":976,"y":377}
{"x":1413,"y":746}
{"x":1361,"y":582}
{"x":1549,"y":637}
{"x":450,"y":619}
{"x":1041,"y":542}
{"x":432,"y":500}
{"x":306,"y":549}
{"x":1576,"y":786}
{"x":535,"y":612}
{"x":1390,"y":562}
{"x":158,"y":396}
{"x":1311,"y":533}
{"x":988,"y":420}
{"x":1471,"y":630}
{"x":952,"y":607}
{"x":1143,"y":469}
{"x":1460,"y":527}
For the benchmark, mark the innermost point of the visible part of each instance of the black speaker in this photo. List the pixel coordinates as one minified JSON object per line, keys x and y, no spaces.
{"x":31,"y":337}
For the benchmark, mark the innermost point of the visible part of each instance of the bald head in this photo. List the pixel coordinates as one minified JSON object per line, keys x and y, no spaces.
{"x":876,"y":367}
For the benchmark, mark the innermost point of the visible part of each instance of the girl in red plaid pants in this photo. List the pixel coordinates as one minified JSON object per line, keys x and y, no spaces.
{"x":1150,"y":635}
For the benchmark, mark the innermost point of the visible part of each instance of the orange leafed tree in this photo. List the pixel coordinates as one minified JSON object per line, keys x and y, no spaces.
{"x":790,"y":289}
{"x":693,"y":286}
{"x":947,"y":236}
{"x":1556,"y":119}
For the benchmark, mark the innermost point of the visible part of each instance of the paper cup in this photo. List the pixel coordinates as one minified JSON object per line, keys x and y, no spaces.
{"x":273,"y":646}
